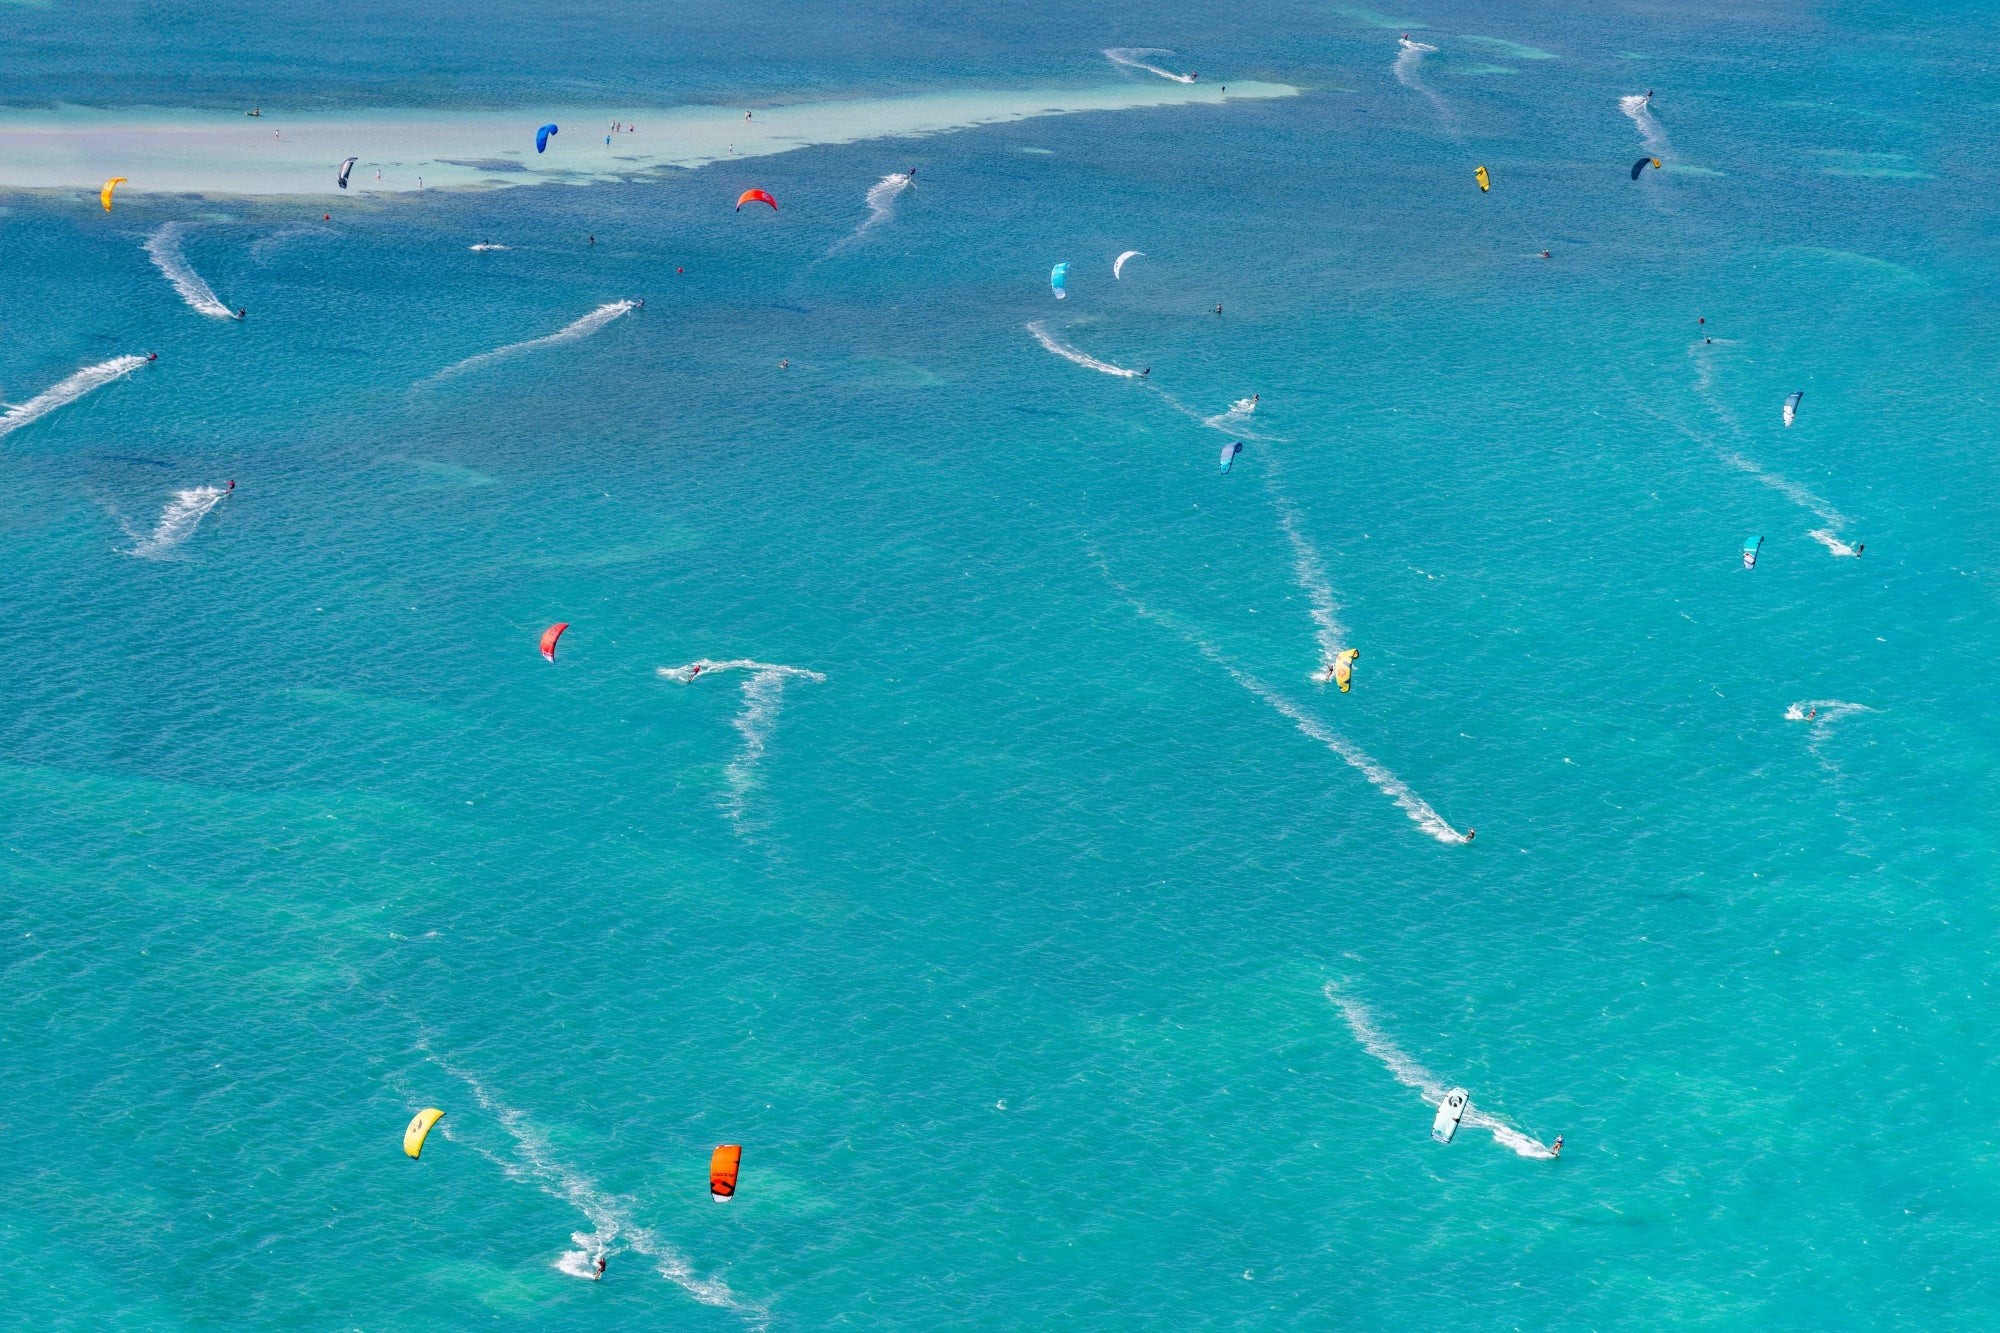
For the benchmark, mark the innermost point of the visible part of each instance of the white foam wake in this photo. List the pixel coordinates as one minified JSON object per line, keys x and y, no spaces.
{"x":1824,"y":710}
{"x":534,"y":1160}
{"x":1231,"y":422}
{"x":581,"y":328}
{"x":881,"y":201}
{"x":1409,"y":72}
{"x":1413,"y":1075}
{"x":1419,"y":810}
{"x":1130,"y":58}
{"x":1640,"y":109}
{"x":178,"y":521}
{"x":68,"y":391}
{"x":164,"y":246}
{"x":1068,"y":353}
{"x":1311,"y":575}
{"x":1703,"y":352}
{"x":709,"y":667}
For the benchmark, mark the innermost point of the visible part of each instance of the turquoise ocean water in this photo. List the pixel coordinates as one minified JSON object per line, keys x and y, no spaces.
{"x":1066,"y":957}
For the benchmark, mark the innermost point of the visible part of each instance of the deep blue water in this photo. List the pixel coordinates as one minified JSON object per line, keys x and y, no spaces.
{"x":1032,"y":952}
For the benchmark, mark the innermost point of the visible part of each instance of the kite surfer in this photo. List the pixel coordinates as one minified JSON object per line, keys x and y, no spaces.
{"x":1556,"y":1148}
{"x":1470,"y":834}
{"x":598,"y":1276}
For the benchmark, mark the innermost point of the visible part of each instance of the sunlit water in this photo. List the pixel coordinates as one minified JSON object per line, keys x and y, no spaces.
{"x":1063,"y":952}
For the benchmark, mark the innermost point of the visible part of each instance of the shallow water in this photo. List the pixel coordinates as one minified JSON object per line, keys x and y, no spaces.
{"x":1024,"y":950}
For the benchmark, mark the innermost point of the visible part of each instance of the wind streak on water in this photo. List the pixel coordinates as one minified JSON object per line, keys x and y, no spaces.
{"x":164,"y":246}
{"x":68,"y":391}
{"x":535,"y":1161}
{"x":178,"y":521}
{"x":1129,"y":57}
{"x":1419,"y":810}
{"x":581,"y":328}
{"x":1413,"y":1075}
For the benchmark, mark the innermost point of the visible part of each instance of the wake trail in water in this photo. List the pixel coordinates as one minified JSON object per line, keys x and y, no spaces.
{"x":164,"y":246}
{"x":534,"y":1160}
{"x":1413,"y":1075}
{"x":1419,"y":810}
{"x":708,"y":667}
{"x":1640,"y":109}
{"x":1062,"y":349}
{"x":1409,"y":73}
{"x":763,"y":696}
{"x":881,"y":201}
{"x":68,"y":391}
{"x":581,"y":328}
{"x":178,"y":521}
{"x":1827,"y":710}
{"x":1703,"y":353}
{"x":1130,"y":58}
{"x":1310,"y":573}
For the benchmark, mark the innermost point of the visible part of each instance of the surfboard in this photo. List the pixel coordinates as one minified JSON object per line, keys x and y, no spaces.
{"x":1449,"y":1113}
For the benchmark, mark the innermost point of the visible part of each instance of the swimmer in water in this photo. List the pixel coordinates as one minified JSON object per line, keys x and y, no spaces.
{"x":1218,"y":310}
{"x":785,"y":363}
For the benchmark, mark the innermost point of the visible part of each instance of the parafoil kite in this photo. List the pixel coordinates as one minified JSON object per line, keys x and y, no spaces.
{"x":549,"y":637}
{"x":420,"y":1128}
{"x":1343,"y":668}
{"x":1485,"y":181}
{"x":345,"y":167}
{"x":755,"y":197}
{"x":542,"y":138}
{"x":1642,"y":164}
{"x":1058,"y":276}
{"x":1118,"y":264}
{"x":109,"y":186}
{"x":722,"y":1168}
{"x":1792,"y":406}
